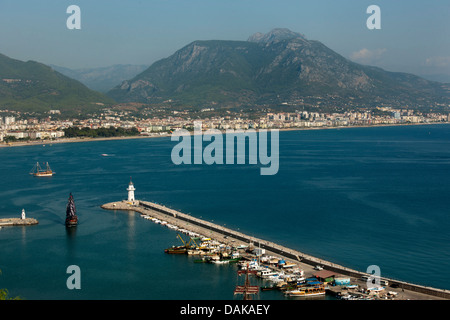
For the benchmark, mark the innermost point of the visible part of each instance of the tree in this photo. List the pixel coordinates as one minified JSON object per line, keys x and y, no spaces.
{"x":4,"y":294}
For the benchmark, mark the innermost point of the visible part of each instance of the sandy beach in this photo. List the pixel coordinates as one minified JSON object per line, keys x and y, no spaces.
{"x":74,"y":140}
{"x":83,"y":139}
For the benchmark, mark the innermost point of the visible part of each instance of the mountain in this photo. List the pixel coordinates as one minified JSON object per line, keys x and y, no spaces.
{"x":34,"y":87}
{"x":102,"y":79}
{"x":439,"y":77}
{"x":280,"y":66}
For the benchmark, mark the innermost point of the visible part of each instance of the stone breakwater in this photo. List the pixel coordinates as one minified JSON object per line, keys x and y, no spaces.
{"x":233,"y":238}
{"x":6,"y":222}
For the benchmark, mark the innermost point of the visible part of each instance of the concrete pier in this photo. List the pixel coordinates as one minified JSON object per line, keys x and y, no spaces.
{"x":235,"y":238}
{"x":6,"y":222}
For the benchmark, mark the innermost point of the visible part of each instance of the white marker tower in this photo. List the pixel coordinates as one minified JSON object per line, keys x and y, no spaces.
{"x":130,"y":190}
{"x":23,"y":214}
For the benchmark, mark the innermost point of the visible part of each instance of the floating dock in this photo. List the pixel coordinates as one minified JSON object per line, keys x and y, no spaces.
{"x":7,"y":222}
{"x":235,"y":238}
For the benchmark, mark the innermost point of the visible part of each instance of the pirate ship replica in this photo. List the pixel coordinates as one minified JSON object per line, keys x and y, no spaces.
{"x":71,"y":213}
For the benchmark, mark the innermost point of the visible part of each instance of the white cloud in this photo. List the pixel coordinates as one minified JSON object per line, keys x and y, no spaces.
{"x":367,"y":56}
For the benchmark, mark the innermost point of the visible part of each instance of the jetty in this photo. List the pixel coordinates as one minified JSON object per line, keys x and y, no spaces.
{"x":308,"y":263}
{"x":6,"y":222}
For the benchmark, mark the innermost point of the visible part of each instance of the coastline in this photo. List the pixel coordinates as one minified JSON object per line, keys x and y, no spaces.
{"x":75,"y":140}
{"x":78,"y":139}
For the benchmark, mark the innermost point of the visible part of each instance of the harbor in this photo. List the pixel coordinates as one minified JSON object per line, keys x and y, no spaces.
{"x":284,"y":266}
{"x":338,"y":207}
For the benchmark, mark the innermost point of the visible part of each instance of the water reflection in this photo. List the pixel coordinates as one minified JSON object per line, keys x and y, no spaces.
{"x":24,"y":235}
{"x":71,"y":233}
{"x":131,"y":233}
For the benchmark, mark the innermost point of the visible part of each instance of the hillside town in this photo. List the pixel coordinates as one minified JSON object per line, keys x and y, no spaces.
{"x":14,"y":126}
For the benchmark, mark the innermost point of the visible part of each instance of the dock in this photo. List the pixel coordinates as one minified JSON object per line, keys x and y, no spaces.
{"x":308,"y":263}
{"x":8,"y":222}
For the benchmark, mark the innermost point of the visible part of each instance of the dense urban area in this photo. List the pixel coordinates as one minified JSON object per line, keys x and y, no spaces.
{"x":21,"y":126}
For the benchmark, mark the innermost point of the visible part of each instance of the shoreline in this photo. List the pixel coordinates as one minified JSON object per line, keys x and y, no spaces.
{"x":75,"y":140}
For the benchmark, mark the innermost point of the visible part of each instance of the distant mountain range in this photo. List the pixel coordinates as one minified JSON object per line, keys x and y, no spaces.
{"x":35,"y":87}
{"x":102,"y":79}
{"x":280,"y":66}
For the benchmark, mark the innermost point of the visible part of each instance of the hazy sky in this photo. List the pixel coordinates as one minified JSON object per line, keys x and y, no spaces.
{"x":414,"y":35}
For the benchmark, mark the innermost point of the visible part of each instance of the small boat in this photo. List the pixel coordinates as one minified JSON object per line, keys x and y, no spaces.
{"x":269,"y":288}
{"x":306,"y":292}
{"x":181,"y":249}
{"x":265,"y":273}
{"x":177,"y":250}
{"x":226,"y":260}
{"x":37,"y":171}
{"x":202,"y":260}
{"x":71,"y":213}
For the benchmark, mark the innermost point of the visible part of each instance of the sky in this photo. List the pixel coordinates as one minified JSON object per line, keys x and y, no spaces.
{"x":414,"y":35}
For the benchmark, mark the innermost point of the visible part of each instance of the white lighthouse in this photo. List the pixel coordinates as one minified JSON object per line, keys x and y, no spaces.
{"x":131,"y":190}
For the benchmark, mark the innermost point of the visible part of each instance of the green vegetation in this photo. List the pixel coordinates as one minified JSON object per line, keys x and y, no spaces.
{"x":73,"y":132}
{"x":9,"y":139}
{"x":34,"y":87}
{"x":285,"y":68}
{"x":4,"y":294}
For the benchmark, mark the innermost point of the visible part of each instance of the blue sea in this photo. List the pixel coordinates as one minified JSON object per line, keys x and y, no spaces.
{"x":353,"y":196}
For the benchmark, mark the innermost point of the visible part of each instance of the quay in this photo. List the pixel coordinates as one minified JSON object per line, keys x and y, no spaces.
{"x":6,"y":222}
{"x":233,"y":238}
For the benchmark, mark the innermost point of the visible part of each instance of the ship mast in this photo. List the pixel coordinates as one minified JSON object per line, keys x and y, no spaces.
{"x":71,"y":210}
{"x":246,"y":290}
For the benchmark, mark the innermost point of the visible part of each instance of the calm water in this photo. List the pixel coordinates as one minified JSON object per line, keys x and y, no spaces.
{"x":355,"y":196}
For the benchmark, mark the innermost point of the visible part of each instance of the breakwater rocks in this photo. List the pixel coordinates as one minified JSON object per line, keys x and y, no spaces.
{"x":7,"y":222}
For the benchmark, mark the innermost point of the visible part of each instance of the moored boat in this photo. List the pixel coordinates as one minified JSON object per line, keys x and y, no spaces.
{"x":184,"y":249}
{"x":306,"y":292}
{"x":226,"y":260}
{"x":177,"y":250}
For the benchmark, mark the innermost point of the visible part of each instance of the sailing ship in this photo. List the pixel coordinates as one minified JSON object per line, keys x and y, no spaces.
{"x":71,"y":213}
{"x":37,"y":171}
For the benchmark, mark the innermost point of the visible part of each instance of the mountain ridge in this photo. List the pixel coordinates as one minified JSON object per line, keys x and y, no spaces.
{"x":271,"y":68}
{"x":35,"y":87}
{"x":102,"y":79}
